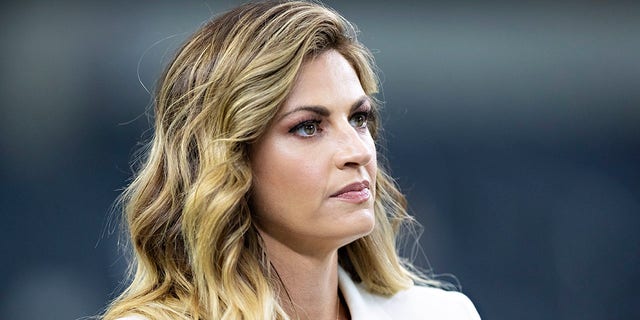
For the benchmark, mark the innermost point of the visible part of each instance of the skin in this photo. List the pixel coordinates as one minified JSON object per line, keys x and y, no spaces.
{"x":317,"y":145}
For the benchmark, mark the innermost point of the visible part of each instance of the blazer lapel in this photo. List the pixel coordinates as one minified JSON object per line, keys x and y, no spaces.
{"x":362,"y":304}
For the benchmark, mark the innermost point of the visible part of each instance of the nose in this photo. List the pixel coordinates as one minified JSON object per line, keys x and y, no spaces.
{"x":354,"y":148}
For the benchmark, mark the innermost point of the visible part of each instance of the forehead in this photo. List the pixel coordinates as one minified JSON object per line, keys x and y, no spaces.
{"x":327,"y":80}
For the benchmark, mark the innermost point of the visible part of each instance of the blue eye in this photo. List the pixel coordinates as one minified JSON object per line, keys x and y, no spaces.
{"x":307,"y":128}
{"x":359,"y":120}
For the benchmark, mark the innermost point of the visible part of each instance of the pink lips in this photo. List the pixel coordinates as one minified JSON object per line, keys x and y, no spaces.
{"x":356,"y":192}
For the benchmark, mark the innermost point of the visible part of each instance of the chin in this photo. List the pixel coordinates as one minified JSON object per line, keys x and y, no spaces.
{"x":361,"y":226}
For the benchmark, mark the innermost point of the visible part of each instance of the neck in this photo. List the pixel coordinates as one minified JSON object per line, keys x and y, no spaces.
{"x":310,"y":281}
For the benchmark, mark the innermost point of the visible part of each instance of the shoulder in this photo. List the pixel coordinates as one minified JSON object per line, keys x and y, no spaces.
{"x":416,"y":302}
{"x":435,"y":302}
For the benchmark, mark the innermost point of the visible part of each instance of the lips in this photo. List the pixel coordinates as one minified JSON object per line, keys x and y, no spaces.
{"x":356,"y":192}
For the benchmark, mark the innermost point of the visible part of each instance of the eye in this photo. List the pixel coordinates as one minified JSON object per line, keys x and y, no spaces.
{"x":306,"y":129}
{"x":359,"y":120}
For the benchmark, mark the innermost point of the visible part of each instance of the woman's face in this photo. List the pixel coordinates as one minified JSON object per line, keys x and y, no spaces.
{"x":315,"y":167}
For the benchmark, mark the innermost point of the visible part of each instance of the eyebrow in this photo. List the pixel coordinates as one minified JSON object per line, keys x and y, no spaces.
{"x":323,"y":111}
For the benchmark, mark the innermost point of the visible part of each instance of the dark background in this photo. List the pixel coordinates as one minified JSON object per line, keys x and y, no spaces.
{"x":514,"y":128}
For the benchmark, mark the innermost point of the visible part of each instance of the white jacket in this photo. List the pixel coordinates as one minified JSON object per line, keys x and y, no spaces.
{"x":414,"y":303}
{"x":411,"y":304}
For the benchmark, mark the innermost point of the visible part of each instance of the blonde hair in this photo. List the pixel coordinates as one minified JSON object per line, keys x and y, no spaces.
{"x":197,"y":254}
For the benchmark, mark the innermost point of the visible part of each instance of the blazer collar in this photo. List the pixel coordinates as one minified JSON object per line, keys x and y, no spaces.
{"x":362,"y":304}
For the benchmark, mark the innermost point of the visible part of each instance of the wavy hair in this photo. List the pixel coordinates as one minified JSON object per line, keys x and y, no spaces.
{"x":196,"y":251}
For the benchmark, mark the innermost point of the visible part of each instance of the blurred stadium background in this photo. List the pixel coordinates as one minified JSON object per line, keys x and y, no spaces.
{"x":513,"y":126}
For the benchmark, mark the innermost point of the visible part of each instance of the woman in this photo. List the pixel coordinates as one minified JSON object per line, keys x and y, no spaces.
{"x":261,"y":196}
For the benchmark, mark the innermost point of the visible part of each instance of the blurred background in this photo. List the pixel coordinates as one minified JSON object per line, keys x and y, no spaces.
{"x":513,"y":127}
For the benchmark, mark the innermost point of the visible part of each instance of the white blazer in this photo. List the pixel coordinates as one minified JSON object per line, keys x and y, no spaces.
{"x":411,"y":304}
{"x":414,"y":303}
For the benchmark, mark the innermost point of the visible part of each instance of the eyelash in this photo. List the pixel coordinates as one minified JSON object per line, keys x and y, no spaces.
{"x":304,"y":123}
{"x":368,"y":117}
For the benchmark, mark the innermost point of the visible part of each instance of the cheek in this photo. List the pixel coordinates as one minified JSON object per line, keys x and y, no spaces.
{"x":284,"y":175}
{"x":296,"y":168}
{"x":305,"y":178}
{"x":372,"y":170}
{"x":372,"y":166}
